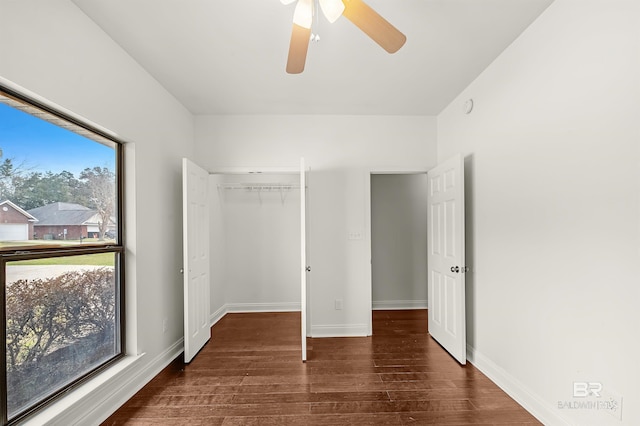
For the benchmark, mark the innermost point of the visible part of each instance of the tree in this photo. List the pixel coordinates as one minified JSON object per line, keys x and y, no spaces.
{"x":9,"y":174}
{"x":6,"y":178}
{"x":9,"y":171}
{"x":56,"y":328}
{"x":100,"y":183}
{"x":43,"y":313}
{"x":95,"y":188}
{"x":38,"y":189}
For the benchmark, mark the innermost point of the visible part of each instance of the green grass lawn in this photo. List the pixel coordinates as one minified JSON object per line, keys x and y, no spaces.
{"x":98,"y":259}
{"x":17,"y":244}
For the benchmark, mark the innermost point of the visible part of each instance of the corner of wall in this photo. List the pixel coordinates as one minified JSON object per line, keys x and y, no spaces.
{"x":515,"y":388}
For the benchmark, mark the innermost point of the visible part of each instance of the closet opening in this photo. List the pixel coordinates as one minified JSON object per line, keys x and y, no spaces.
{"x":258,"y":244}
{"x":255,"y":241}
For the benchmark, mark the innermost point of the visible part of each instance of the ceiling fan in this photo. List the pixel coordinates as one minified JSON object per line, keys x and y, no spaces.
{"x":358,"y":12}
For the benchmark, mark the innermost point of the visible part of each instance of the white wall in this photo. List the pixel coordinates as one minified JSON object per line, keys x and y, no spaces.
{"x":399,"y":240}
{"x":340,"y":150}
{"x":53,"y":50}
{"x":553,"y":215}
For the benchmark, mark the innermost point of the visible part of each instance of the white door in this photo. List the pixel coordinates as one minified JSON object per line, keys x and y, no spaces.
{"x":195,"y":203}
{"x":445,"y":257}
{"x":303,"y":258}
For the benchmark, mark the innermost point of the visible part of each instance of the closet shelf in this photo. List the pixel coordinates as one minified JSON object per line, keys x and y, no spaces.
{"x":259,"y":187}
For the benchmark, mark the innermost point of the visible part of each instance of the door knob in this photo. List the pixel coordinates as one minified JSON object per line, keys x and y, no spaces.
{"x":455,"y":269}
{"x":308,"y":268}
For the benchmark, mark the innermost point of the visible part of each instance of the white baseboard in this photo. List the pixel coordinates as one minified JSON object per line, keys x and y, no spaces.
{"x":339,"y":330}
{"x":116,"y":398}
{"x":381,"y":305}
{"x":515,"y":389}
{"x":96,"y":400}
{"x":263,"y":307}
{"x":217,"y":315}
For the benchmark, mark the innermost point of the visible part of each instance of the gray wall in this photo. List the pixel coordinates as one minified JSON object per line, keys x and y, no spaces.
{"x":399,"y":240}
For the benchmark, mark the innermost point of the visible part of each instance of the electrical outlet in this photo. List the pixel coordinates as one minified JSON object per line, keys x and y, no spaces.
{"x":165,"y":325}
{"x":338,"y":304}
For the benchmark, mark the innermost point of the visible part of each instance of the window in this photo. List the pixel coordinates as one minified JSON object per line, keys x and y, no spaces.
{"x":61,"y":253}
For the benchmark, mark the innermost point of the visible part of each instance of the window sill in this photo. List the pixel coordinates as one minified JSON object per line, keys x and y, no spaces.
{"x":78,"y":403}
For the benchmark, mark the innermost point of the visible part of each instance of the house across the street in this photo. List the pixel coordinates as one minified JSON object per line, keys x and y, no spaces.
{"x":65,"y":221}
{"x":16,"y":224}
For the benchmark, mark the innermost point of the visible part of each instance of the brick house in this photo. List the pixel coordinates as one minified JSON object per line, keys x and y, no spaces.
{"x":65,"y":221}
{"x":16,"y":224}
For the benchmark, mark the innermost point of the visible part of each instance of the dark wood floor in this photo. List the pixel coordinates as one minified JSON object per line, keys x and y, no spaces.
{"x":250,"y":373}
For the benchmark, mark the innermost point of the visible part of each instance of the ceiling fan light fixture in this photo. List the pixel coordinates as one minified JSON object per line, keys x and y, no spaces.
{"x":303,"y":14}
{"x":332,"y":9}
{"x":356,"y":11}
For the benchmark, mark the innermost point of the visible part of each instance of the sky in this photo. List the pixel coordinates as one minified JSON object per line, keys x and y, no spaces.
{"x":41,"y":146}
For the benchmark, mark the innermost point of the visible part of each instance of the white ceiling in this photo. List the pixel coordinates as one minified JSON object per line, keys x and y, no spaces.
{"x":228,"y":57}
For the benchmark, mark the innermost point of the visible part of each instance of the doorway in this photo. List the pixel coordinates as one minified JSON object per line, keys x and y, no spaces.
{"x":256,"y":241}
{"x":398,"y":219}
{"x":258,"y":236}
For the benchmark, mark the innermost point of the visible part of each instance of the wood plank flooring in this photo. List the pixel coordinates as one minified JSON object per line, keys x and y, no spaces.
{"x":250,"y":373}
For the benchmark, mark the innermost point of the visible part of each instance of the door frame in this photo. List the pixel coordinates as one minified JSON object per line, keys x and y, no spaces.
{"x":368,"y":240}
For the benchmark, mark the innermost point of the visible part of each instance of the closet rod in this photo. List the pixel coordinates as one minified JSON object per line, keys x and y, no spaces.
{"x":260,"y":186}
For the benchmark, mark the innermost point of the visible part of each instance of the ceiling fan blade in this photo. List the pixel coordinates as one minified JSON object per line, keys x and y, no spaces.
{"x":374,"y":25}
{"x":298,"y":49}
